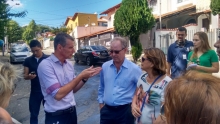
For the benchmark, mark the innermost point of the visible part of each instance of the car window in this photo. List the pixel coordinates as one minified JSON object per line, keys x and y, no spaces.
{"x":88,"y":48}
{"x":98,"y":48}
{"x":20,"y":49}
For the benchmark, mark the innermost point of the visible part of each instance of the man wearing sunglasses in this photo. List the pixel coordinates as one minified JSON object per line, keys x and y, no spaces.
{"x":118,"y":80}
{"x":178,"y":53}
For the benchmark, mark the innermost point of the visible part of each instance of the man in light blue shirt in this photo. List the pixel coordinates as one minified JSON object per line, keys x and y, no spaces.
{"x":118,"y":80}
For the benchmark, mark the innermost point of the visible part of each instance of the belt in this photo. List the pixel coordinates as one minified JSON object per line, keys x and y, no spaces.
{"x":61,"y":112}
{"x":118,"y":107}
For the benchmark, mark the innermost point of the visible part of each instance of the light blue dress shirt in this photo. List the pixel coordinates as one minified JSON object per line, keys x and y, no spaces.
{"x":117,"y":88}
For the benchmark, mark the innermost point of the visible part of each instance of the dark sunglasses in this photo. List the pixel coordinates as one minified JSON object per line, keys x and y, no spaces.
{"x":115,"y":51}
{"x":143,"y":59}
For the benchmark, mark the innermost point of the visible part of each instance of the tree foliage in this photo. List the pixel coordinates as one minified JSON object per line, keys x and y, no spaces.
{"x":14,"y":31}
{"x":56,"y":30}
{"x":133,"y":18}
{"x":215,"y":6}
{"x":6,"y":15}
{"x":29,"y":32}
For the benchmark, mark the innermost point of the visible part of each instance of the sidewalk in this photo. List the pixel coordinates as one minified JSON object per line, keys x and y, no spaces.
{"x":4,"y":58}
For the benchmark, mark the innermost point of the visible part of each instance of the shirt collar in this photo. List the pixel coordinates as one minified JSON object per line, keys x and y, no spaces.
{"x":55,"y":59}
{"x":43,"y":56}
{"x":124,"y":64}
{"x":176,"y":44}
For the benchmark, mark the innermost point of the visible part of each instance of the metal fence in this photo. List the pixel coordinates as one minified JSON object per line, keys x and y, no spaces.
{"x":167,"y":38}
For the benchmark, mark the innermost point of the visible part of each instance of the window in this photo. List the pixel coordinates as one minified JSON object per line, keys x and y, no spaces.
{"x":180,"y":1}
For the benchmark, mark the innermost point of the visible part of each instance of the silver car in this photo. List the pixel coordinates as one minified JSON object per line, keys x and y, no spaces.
{"x":19,"y":54}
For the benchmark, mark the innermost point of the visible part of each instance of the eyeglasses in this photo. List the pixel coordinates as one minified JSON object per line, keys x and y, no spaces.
{"x":115,"y":51}
{"x":143,"y":59}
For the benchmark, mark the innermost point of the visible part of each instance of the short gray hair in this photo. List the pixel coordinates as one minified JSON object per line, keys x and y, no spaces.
{"x":123,"y":41}
{"x":61,"y":39}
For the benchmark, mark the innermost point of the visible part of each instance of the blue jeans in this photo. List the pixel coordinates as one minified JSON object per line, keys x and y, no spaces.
{"x":34,"y":106}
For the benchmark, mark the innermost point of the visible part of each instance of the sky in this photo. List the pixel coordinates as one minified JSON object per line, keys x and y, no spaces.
{"x":53,"y":13}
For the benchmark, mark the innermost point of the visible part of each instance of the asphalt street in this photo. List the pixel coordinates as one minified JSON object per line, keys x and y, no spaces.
{"x":87,"y":106}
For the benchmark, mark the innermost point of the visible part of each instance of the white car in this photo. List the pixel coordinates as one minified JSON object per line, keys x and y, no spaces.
{"x":19,"y":54}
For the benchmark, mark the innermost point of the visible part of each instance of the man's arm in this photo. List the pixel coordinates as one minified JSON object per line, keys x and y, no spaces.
{"x":101,"y":90}
{"x":27,"y":75}
{"x":169,"y":61}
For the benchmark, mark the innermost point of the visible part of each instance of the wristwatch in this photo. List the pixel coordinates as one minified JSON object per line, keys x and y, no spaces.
{"x":84,"y":80}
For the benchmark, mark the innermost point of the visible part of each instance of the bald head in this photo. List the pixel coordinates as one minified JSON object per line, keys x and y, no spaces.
{"x":5,"y":118}
{"x":217,"y":46}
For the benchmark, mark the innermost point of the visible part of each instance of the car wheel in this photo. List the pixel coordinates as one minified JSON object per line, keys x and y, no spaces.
{"x":88,"y":61}
{"x":76,"y":60}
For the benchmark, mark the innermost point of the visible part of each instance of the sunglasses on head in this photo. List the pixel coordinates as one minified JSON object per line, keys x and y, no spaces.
{"x":115,"y":51}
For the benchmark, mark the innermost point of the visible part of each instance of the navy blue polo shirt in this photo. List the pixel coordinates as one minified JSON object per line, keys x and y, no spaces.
{"x":32,"y":63}
{"x":177,"y":56}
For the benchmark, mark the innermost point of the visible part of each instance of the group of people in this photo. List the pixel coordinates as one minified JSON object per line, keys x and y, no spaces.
{"x":182,"y":84}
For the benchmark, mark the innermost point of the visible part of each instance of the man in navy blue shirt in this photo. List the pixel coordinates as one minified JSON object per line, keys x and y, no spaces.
{"x":30,"y":73}
{"x":178,"y":53}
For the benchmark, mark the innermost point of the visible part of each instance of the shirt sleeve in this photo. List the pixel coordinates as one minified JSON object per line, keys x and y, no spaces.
{"x":101,"y":88}
{"x":26,"y":63}
{"x":138,"y":74}
{"x":48,"y":78}
{"x":162,"y":94}
{"x":169,"y":55}
{"x":214,"y":57}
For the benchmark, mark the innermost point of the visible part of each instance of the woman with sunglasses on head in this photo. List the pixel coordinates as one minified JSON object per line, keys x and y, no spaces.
{"x":202,"y":58}
{"x":193,"y":99}
{"x":7,"y":75}
{"x":149,"y":93}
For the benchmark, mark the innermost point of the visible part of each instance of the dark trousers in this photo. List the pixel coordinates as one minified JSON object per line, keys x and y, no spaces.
{"x":116,"y":115}
{"x":62,"y":117}
{"x":35,"y":100}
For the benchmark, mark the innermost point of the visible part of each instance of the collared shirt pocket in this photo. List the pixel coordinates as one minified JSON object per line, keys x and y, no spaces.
{"x":123,"y":83}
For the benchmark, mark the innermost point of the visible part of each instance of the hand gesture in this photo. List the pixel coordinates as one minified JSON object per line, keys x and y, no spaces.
{"x":90,"y":72}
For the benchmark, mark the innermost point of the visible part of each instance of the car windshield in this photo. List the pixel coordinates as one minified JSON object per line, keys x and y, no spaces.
{"x":20,"y":49}
{"x":98,"y":48}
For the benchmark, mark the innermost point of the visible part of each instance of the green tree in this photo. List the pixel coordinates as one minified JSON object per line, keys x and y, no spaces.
{"x":62,"y":28}
{"x":215,"y":6}
{"x":6,"y":15}
{"x":14,"y":31}
{"x":29,"y":32}
{"x":133,"y":18}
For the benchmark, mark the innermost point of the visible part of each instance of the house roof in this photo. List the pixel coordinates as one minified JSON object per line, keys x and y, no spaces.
{"x":111,"y":9}
{"x":67,"y":20}
{"x":99,"y":32}
{"x":202,"y":12}
{"x":101,"y":20}
{"x":176,"y":12}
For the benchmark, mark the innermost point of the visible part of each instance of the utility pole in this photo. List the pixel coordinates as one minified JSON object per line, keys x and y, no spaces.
{"x":160,"y":15}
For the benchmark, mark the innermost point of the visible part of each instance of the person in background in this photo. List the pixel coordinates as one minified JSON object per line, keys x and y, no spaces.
{"x":118,"y":80}
{"x":59,"y":82}
{"x":217,"y":46}
{"x":203,"y":58}
{"x":149,"y":94}
{"x":30,"y":73}
{"x":8,"y":74}
{"x":178,"y":53}
{"x":193,"y":99}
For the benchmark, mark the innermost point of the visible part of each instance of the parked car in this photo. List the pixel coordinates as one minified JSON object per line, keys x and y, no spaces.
{"x":19,"y":54}
{"x":92,"y":54}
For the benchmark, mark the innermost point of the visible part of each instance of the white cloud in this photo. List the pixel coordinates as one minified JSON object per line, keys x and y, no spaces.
{"x":15,"y":3}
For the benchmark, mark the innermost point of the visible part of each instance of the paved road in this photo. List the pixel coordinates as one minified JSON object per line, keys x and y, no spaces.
{"x":87,"y":105}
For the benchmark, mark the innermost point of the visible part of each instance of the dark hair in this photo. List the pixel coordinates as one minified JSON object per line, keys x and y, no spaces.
{"x":61,"y":39}
{"x":182,"y":29}
{"x":35,"y":43}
